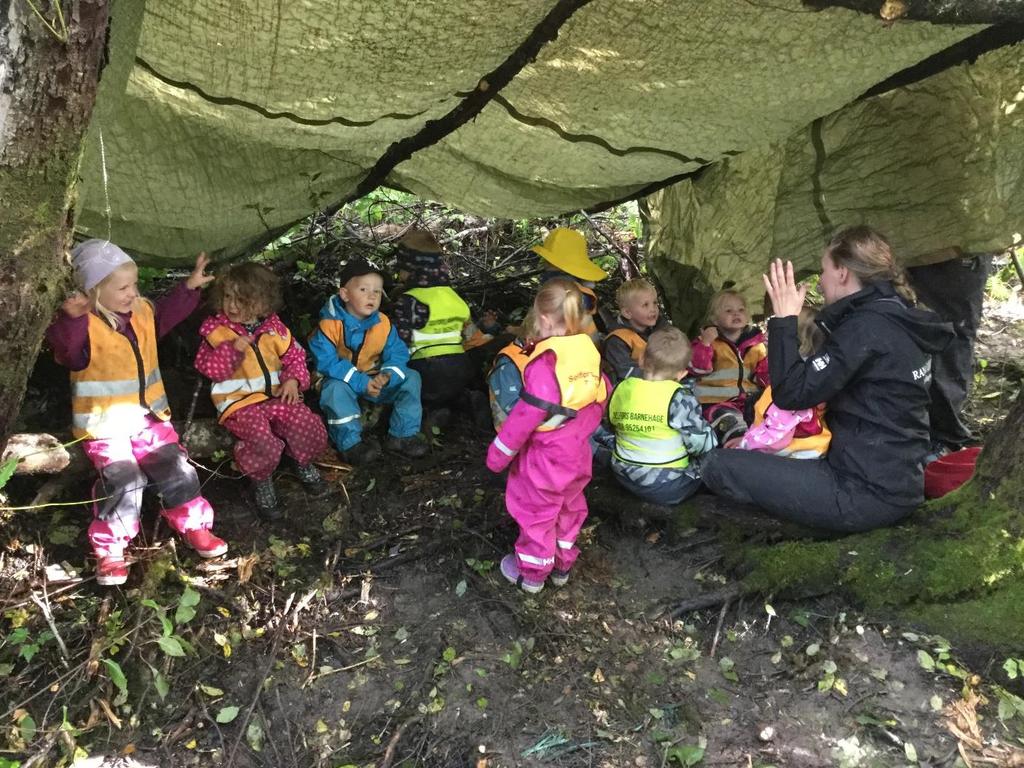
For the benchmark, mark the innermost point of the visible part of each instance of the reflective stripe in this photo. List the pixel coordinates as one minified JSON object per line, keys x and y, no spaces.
{"x":503,"y":448}
{"x":104,"y":388}
{"x":160,"y":404}
{"x":153,"y":378}
{"x":535,"y":560}
{"x":351,"y":372}
{"x":722,"y":374}
{"x":255,"y":384}
{"x":432,"y":336}
{"x":344,"y":419}
{"x":555,"y":421}
{"x":642,"y":450}
{"x":396,"y":370}
{"x":806,"y":453}
{"x":566,"y":544}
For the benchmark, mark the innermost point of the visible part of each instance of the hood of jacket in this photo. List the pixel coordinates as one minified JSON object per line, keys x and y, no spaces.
{"x":928,"y":330}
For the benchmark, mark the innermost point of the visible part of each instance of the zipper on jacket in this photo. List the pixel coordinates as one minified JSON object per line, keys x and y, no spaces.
{"x":268,"y":387}
{"x":141,"y":368}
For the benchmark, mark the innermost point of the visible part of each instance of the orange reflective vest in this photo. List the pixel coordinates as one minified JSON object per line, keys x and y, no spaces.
{"x":807,"y":447}
{"x":731,"y":376}
{"x":256,"y":379}
{"x":365,"y":357}
{"x":121,"y":385}
{"x":636,"y":343}
{"x":578,"y":371}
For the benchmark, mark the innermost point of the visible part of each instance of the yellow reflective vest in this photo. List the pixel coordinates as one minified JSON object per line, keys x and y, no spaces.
{"x":578,"y":371}
{"x":447,"y":316}
{"x":122,"y":384}
{"x":639,"y":414}
{"x":258,"y":378}
{"x":808,"y":447}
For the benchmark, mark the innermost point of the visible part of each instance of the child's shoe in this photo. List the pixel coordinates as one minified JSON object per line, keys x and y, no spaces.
{"x":414,"y":447}
{"x":111,"y":570}
{"x":510,"y":570}
{"x":205,"y":543}
{"x":558,"y":578}
{"x":309,"y":475}
{"x":360,"y":454}
{"x":266,"y":499}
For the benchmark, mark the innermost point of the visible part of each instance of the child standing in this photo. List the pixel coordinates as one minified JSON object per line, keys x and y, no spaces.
{"x":728,"y":358}
{"x":360,"y":354}
{"x":544,"y":440}
{"x":799,"y":434}
{"x":658,"y":424}
{"x":639,"y":316}
{"x":258,"y":371}
{"x":107,"y":336}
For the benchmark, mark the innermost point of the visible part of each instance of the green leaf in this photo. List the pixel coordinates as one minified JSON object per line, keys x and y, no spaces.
{"x":7,"y":471}
{"x":226,"y":715}
{"x":161,"y":685}
{"x":170,"y":646}
{"x":460,"y":588}
{"x":1012,"y":668}
{"x":449,"y":654}
{"x":910,"y":751}
{"x":210,"y":691}
{"x":812,"y":649}
{"x":27,"y":727}
{"x":254,"y":734}
{"x":186,"y":606}
{"x":28,"y":650}
{"x":5,"y":763}
{"x":116,"y":675}
{"x":925,"y":660}
{"x":685,"y":755}
{"x":402,"y":634}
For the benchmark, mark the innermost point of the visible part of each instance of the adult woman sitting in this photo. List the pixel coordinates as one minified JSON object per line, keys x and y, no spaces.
{"x":872,"y":373}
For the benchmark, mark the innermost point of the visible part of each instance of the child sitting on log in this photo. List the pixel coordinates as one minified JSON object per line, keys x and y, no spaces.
{"x":729,"y":359}
{"x":259,"y":371}
{"x":799,"y":434}
{"x":107,"y":335}
{"x":359,"y":352}
{"x":639,"y":315}
{"x":658,"y":424}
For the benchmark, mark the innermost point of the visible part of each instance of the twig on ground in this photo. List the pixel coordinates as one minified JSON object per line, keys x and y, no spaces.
{"x":707,"y":600}
{"x":718,"y":627}
{"x":389,"y":753}
{"x":272,"y":656}
{"x":44,"y":606}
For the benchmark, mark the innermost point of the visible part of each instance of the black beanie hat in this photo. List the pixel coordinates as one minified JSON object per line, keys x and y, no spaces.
{"x":357,"y":268}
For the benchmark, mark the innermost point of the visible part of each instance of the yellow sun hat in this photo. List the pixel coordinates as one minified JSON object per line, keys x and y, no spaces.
{"x":566,"y":249}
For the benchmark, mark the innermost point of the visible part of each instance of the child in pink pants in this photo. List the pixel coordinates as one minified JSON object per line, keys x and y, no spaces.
{"x":544,"y":441}
{"x":107,"y":335}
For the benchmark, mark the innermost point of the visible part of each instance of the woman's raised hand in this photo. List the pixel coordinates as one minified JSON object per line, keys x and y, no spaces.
{"x":787,"y":296}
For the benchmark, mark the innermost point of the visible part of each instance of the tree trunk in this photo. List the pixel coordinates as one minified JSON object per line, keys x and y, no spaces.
{"x":935,"y":11}
{"x":49,"y":69}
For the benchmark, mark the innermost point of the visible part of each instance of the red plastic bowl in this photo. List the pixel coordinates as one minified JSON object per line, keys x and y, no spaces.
{"x":947,"y":474}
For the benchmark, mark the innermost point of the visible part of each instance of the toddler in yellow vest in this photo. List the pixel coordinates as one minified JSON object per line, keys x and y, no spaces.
{"x":362,"y":358}
{"x":658,"y":424}
{"x":259,"y":371}
{"x":107,"y":336}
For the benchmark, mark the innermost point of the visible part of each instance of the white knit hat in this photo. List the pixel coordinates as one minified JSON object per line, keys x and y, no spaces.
{"x":94,"y":260}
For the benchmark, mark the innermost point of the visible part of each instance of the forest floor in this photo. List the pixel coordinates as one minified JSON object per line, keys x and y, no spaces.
{"x":372,"y":628}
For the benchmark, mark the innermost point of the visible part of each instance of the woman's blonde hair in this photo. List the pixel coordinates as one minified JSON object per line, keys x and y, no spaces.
{"x":560,"y":299}
{"x":868,"y":255}
{"x":810,"y":336}
{"x":716,"y":302}
{"x":254,"y":286}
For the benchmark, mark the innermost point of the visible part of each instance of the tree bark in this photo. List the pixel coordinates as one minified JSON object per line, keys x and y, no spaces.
{"x":935,"y":11}
{"x":49,"y":69}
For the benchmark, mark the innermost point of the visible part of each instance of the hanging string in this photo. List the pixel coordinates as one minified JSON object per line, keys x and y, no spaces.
{"x":106,"y":191}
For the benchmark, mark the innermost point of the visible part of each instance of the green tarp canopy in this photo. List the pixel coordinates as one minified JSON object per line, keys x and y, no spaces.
{"x":219,"y":121}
